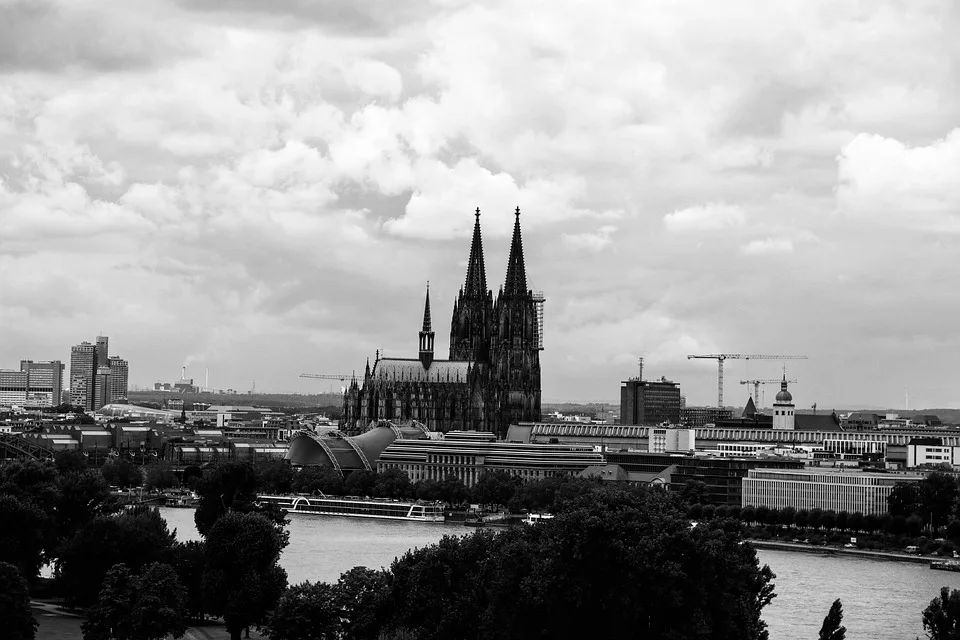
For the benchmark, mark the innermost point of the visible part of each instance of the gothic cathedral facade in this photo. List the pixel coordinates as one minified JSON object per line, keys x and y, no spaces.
{"x":491,"y":378}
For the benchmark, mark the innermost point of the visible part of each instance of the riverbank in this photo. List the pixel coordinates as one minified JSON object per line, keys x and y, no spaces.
{"x":841,"y":551}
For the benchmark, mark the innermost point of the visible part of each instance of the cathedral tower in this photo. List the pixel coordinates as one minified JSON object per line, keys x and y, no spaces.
{"x":472,"y":310}
{"x":783,"y":408}
{"x":426,"y":334}
{"x":514,"y":346}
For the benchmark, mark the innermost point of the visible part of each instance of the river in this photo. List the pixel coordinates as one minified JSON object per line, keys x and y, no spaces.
{"x":881,"y":600}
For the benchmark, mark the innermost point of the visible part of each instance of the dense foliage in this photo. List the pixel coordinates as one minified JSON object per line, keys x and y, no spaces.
{"x":130,"y":607}
{"x":242,"y":580}
{"x":832,"y":628}
{"x":941,"y":618}
{"x":15,"y":614}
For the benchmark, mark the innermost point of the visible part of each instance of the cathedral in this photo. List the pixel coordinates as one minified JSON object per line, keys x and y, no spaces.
{"x":491,"y":378}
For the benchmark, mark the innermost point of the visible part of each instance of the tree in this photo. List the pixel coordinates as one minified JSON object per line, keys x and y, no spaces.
{"x":494,"y":488}
{"x":24,"y":529}
{"x":148,"y":607}
{"x":788,"y":515}
{"x":111,"y":616}
{"x":122,"y":473}
{"x":913,"y":525}
{"x":359,"y":483}
{"x":307,"y":611}
{"x":953,"y":530}
{"x":160,"y":602}
{"x":188,"y":559}
{"x":160,"y":475}
{"x":748,"y":514}
{"x":135,"y":538}
{"x":694,"y":492}
{"x":274,"y":476}
{"x":832,"y":628}
{"x":453,"y":490}
{"x":18,"y":621}
{"x":429,"y":490}
{"x":855,"y":521}
{"x":941,"y":618}
{"x":938,"y":495}
{"x":392,"y":483}
{"x":230,"y":486}
{"x":358,"y":595}
{"x":324,"y":479}
{"x":904,"y":499}
{"x":802,"y":518}
{"x":583,"y":574}
{"x":242,"y":580}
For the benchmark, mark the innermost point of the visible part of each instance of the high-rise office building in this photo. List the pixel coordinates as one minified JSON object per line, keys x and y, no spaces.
{"x":44,"y":382}
{"x":96,"y":378}
{"x":119,"y":371}
{"x":103,"y":348}
{"x":649,"y":402}
{"x":83,"y":361}
{"x":101,"y":387}
{"x":13,"y":387}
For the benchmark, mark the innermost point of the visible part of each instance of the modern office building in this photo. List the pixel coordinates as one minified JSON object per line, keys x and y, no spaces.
{"x":96,"y":379}
{"x":721,"y":476}
{"x":701,"y":416}
{"x":13,"y":387}
{"x":649,"y":402}
{"x":119,"y":375}
{"x":849,"y":491}
{"x":101,"y":387}
{"x":44,"y":382}
{"x":83,"y":361}
{"x":931,"y":451}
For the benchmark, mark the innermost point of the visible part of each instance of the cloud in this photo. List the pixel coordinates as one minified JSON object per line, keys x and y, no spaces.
{"x":767,"y":246}
{"x":890,"y":183}
{"x":593,"y":241}
{"x":247,"y":180}
{"x":708,"y":217}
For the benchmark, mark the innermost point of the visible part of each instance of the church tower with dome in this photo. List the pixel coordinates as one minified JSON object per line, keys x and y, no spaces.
{"x":783,"y":408}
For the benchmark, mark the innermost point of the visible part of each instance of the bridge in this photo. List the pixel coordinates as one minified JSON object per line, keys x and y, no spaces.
{"x":16,"y":446}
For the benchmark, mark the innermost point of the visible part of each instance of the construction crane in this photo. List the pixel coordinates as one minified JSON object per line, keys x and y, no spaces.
{"x":330,"y":376}
{"x":721,"y":357}
{"x":756,"y":385}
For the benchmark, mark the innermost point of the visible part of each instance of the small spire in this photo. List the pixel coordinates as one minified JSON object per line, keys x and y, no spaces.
{"x":516,"y":280}
{"x":476,"y":281}
{"x":426,"y":311}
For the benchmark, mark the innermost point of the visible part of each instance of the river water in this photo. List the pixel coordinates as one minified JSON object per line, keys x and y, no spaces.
{"x":881,"y":600}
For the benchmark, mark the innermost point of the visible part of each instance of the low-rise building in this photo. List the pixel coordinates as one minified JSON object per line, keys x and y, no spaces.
{"x":931,"y":451}
{"x":836,"y":489}
{"x":466,"y":455}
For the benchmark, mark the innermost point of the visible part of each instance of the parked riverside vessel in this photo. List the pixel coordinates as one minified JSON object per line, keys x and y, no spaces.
{"x":380,"y":508}
{"x":945,"y":565}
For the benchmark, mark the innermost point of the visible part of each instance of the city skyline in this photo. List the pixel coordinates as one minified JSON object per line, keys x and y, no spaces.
{"x":266,"y":193}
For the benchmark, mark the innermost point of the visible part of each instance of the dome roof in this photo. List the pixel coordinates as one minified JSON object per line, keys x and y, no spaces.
{"x":784,"y":395}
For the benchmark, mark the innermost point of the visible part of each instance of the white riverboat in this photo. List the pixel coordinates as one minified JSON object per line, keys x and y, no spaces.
{"x":380,"y":508}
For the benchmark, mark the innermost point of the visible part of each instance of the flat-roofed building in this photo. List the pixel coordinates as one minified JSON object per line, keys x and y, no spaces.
{"x":44,"y":382}
{"x":931,"y":451}
{"x":13,"y":388}
{"x":662,"y":439}
{"x":721,"y":476}
{"x":467,"y":455}
{"x":649,"y":402}
{"x":83,"y":370}
{"x":849,"y":491}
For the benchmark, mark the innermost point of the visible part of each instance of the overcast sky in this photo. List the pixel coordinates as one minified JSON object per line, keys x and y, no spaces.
{"x":264,"y":188}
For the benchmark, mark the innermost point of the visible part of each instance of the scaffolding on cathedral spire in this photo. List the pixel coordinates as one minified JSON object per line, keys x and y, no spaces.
{"x":516,"y":280}
{"x":476,"y":283}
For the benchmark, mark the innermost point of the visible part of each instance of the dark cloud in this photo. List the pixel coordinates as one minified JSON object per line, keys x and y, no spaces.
{"x":46,"y":36}
{"x":347,"y":17}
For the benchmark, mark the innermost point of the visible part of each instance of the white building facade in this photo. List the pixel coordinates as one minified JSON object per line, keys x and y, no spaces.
{"x":821,"y":489}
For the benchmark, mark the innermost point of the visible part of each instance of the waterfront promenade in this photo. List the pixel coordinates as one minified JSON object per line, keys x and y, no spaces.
{"x":800,"y":547}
